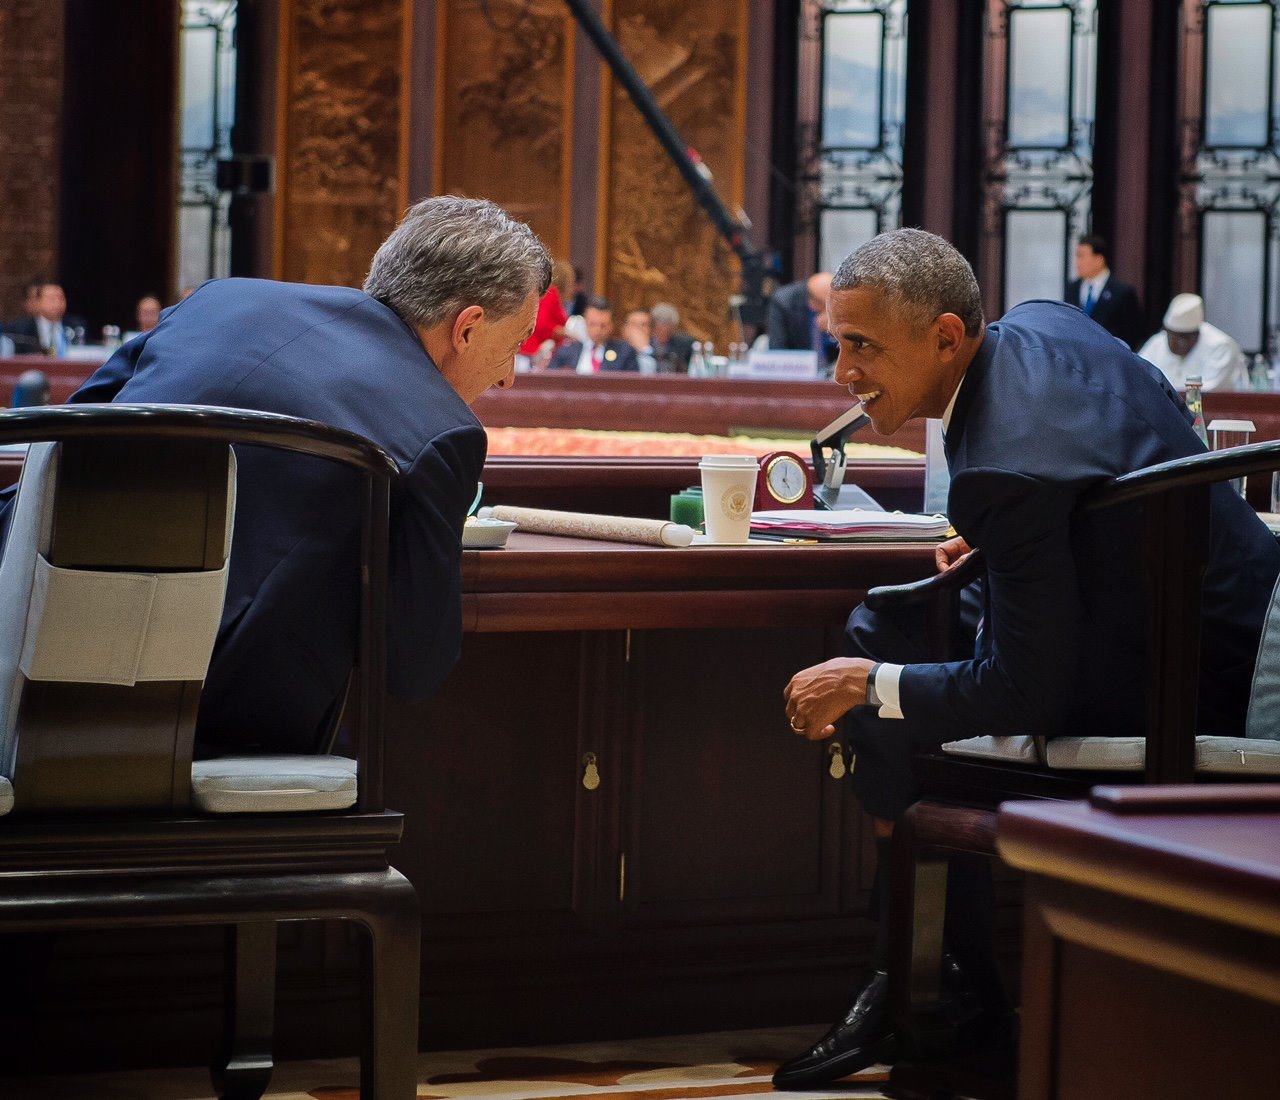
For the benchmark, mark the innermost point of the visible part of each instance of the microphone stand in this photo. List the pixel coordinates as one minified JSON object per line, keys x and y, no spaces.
{"x":829,"y":471}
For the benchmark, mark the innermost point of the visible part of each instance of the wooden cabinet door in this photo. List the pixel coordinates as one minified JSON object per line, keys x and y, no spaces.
{"x":501,"y":832}
{"x":727,"y":816}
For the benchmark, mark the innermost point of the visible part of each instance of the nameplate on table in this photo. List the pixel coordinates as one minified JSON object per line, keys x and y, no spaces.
{"x":777,"y":365}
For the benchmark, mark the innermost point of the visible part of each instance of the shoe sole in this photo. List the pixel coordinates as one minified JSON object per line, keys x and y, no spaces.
{"x":844,"y":1065}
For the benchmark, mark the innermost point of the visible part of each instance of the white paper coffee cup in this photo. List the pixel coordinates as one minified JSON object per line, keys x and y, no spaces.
{"x":728,"y":492}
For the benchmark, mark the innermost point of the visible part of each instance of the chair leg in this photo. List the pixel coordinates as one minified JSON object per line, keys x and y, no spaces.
{"x":243,"y":1067}
{"x":916,"y":943}
{"x":390,"y":952}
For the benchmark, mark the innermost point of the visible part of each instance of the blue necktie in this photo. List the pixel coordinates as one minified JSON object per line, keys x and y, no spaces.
{"x":1088,"y":301}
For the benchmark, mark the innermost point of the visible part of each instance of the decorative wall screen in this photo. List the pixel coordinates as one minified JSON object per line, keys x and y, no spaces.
{"x":1038,"y":116}
{"x":207,"y":109}
{"x":1230,"y":179}
{"x":853,"y":163}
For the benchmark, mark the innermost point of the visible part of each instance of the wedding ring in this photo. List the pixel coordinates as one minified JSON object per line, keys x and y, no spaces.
{"x":795,"y":728}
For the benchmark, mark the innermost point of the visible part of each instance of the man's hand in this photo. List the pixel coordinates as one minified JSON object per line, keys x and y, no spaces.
{"x":951,"y":553}
{"x":816,"y":697}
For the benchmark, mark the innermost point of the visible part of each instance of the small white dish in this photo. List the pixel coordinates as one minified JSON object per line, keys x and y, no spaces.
{"x":486,"y":534}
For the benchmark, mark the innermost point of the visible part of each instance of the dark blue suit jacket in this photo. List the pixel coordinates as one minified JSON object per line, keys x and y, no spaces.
{"x":1117,"y":310}
{"x":624,"y":356}
{"x":332,"y":354}
{"x":1049,"y":409}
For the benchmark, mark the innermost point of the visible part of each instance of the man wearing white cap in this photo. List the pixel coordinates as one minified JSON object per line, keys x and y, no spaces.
{"x":1189,"y":346}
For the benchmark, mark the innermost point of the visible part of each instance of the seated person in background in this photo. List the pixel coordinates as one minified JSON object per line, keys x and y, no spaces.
{"x":797,"y":317}
{"x":50,"y":329}
{"x":1038,"y":409}
{"x":1113,"y":304}
{"x":671,"y":349}
{"x":548,"y":329}
{"x":451,"y":294}
{"x":146,"y":315}
{"x":1188,"y":346}
{"x":637,"y":330}
{"x":597,"y":352}
{"x":30,"y":294}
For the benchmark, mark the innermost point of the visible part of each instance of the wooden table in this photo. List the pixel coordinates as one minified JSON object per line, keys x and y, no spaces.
{"x":1151,"y":964}
{"x":717,"y":876}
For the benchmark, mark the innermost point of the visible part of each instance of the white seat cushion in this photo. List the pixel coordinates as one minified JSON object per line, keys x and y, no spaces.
{"x":1009,"y":749}
{"x":1222,"y":755}
{"x":1238,"y":755}
{"x":273,"y":784}
{"x":6,"y":796}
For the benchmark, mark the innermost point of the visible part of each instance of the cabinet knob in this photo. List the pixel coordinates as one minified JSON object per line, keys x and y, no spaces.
{"x":590,"y":772}
{"x":835,"y":767}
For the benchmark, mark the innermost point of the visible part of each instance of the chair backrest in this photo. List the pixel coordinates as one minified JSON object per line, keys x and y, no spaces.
{"x":113,"y":578}
{"x":112,"y":581}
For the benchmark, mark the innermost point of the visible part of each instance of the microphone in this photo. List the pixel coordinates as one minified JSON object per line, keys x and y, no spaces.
{"x":829,"y":472}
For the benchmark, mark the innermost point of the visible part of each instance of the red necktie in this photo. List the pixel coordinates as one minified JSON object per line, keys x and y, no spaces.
{"x":595,"y":359}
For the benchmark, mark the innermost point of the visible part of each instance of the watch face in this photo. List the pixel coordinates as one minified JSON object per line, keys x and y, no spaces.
{"x":786,"y":478}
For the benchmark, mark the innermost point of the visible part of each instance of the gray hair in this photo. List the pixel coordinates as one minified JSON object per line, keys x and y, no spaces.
{"x":449,"y":253}
{"x":664,"y":313}
{"x":919,"y":271}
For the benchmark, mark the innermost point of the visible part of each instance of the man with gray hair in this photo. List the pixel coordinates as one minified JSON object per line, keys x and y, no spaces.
{"x":671,"y":349}
{"x":450,"y":296}
{"x":1037,"y":410}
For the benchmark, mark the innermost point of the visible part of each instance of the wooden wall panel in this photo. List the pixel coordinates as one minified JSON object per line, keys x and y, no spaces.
{"x":504,"y":102}
{"x":342,"y":158}
{"x":655,"y":242}
{"x":30,"y":115}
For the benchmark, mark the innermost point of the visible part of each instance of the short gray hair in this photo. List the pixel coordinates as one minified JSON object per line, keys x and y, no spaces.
{"x":449,"y":253}
{"x":664,"y":313}
{"x":919,"y":271}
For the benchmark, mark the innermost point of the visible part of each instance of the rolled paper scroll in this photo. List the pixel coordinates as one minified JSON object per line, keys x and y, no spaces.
{"x":584,"y":525}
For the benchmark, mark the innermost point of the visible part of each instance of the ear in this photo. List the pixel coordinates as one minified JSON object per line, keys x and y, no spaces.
{"x":949,"y":331}
{"x":466,"y":326}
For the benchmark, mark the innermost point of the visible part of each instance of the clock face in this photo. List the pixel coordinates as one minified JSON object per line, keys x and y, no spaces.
{"x":786,"y":478}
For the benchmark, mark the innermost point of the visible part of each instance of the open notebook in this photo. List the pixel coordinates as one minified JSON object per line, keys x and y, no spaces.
{"x":856,"y":523}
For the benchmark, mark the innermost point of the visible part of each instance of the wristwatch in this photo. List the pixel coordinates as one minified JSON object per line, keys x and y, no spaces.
{"x":873,"y":700}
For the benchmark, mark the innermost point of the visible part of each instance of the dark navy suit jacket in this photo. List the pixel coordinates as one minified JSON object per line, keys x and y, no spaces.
{"x":332,"y":354}
{"x":624,"y":356}
{"x":1049,"y":409}
{"x":1117,"y":310}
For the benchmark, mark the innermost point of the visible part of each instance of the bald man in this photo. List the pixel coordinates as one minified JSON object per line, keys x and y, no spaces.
{"x":797,"y":317}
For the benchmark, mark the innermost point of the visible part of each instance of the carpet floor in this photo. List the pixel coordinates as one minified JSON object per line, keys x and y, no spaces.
{"x":719,"y":1066}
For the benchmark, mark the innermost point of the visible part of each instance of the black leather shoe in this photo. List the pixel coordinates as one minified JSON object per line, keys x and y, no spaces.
{"x":859,"y":1040}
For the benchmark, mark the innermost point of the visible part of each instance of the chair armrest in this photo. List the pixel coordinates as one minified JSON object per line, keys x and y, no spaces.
{"x":892,"y":596}
{"x":1183,"y":473}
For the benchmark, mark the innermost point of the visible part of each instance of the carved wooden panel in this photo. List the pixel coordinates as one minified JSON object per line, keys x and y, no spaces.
{"x":504,"y":80}
{"x":341,"y":187}
{"x":656,"y":242}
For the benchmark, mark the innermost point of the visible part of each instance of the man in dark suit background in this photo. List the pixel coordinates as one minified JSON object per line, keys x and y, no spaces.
{"x":449,"y":298}
{"x":1037,"y":410}
{"x":797,"y":317}
{"x":597,"y":352}
{"x":1113,"y":304}
{"x":671,"y":347}
{"x":48,"y":329}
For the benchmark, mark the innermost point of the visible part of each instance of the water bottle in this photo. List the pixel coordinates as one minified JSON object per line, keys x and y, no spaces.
{"x":697,"y":364}
{"x":708,"y":359}
{"x":110,"y":336}
{"x":1195,"y":406}
{"x":1259,"y":374}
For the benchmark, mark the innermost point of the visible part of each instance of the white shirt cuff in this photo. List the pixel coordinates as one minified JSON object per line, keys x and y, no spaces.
{"x":887,"y":690}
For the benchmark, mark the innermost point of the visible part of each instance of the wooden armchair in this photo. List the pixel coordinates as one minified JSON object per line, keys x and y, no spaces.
{"x":112,"y":580}
{"x":964,"y":782}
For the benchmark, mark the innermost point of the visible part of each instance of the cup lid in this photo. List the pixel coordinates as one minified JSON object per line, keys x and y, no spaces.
{"x":733,"y":461}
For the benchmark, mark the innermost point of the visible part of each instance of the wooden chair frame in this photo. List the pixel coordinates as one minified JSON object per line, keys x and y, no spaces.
{"x":960,"y":798}
{"x":169,"y":866}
